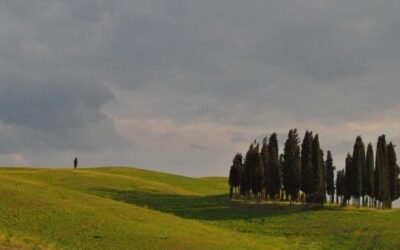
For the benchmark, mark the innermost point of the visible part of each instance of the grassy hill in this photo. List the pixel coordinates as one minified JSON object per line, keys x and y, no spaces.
{"x":126,"y":208}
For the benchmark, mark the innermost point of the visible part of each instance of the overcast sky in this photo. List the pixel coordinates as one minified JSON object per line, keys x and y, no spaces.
{"x":181,"y":86}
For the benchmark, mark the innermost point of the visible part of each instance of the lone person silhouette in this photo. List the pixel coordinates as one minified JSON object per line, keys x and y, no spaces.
{"x":75,"y":162}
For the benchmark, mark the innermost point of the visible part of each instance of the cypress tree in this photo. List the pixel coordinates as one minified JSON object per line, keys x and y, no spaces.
{"x":348,"y":179}
{"x":292,"y":166}
{"x":257,"y":168}
{"x":385,"y":180}
{"x":358,"y":161}
{"x":382,"y":186}
{"x":307,"y":172}
{"x":246,"y":177}
{"x":265,"y":159}
{"x":282,"y":192}
{"x":285,"y":162}
{"x":340,"y":185}
{"x":234,"y":173}
{"x":337,"y":184}
{"x":330,"y":175}
{"x":316,"y":161}
{"x":230,"y":182}
{"x":368,"y":181}
{"x":274,"y":167}
{"x":318,"y":169}
{"x":377,"y":173}
{"x":377,"y":176}
{"x":323,"y":176}
{"x":364,"y":176}
{"x":393,"y":172}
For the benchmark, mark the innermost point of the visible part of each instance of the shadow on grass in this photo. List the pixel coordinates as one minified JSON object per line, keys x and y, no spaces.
{"x":215,"y":207}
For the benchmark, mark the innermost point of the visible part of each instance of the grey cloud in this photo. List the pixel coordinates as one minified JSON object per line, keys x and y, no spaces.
{"x":56,"y":105}
{"x":50,"y":95}
{"x":93,"y":137}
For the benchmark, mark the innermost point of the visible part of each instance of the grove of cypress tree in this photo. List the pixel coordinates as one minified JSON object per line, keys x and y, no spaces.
{"x":330,"y":175}
{"x":282,"y":176}
{"x":292,"y":166}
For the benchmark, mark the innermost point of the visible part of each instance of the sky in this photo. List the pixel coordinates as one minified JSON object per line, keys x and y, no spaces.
{"x":181,"y":86}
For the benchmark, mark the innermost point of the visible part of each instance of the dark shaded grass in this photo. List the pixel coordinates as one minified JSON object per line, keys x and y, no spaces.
{"x":212,"y":207}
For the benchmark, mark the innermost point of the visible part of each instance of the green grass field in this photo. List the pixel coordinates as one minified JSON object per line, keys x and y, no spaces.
{"x":126,"y":208}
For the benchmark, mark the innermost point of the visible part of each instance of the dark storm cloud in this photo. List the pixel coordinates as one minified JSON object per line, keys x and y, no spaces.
{"x":50,"y":95}
{"x":57,"y":105}
{"x":265,"y":64}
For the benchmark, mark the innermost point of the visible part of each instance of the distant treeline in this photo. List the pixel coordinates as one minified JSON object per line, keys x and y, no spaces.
{"x":301,"y":174}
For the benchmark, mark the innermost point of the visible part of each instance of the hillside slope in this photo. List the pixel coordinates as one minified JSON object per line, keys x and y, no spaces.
{"x":125,"y":208}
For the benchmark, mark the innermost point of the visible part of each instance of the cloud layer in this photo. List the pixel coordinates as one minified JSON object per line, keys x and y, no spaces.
{"x":181,"y":86}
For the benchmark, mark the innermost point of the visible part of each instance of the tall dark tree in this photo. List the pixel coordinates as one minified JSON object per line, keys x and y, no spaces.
{"x":274,"y":168}
{"x":323,"y":177}
{"x":393,"y":172}
{"x":364,"y":176}
{"x":340,"y":185}
{"x":318,"y":169}
{"x":234,"y":174}
{"x":377,"y":173}
{"x":368,"y":180}
{"x":381,"y":176}
{"x":252,"y":177}
{"x":330,"y":176}
{"x":358,"y":160}
{"x":257,"y":169}
{"x":292,"y":166}
{"x":307,"y":172}
{"x":285,"y":162}
{"x":348,"y":179}
{"x":283,"y":194}
{"x":245,"y":185}
{"x":265,"y":159}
